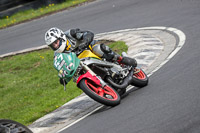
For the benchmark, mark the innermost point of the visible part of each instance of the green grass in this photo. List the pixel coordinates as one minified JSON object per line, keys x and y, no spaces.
{"x":119,"y":47}
{"x":29,"y":85}
{"x":31,"y":14}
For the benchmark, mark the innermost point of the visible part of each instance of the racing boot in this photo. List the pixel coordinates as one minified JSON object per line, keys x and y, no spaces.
{"x":126,"y":61}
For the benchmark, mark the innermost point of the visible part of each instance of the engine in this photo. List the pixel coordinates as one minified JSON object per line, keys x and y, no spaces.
{"x":104,"y":68}
{"x":118,"y":74}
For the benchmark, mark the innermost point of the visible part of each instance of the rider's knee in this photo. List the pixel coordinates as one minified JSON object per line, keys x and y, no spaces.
{"x":103,"y":51}
{"x":96,"y":49}
{"x":105,"y":48}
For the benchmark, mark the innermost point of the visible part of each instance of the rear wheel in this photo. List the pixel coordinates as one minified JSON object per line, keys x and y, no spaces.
{"x":140,"y":78}
{"x":106,"y":95}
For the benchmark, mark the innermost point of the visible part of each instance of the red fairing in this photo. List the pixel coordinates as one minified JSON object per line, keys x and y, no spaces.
{"x":88,"y":75}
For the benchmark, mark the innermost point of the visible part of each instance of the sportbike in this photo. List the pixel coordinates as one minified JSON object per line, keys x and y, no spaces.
{"x":101,"y":80}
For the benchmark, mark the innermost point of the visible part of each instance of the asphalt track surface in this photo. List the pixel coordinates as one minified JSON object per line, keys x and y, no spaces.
{"x":170,"y":103}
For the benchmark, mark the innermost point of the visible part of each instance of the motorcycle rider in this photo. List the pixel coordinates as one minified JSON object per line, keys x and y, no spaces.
{"x":76,"y":40}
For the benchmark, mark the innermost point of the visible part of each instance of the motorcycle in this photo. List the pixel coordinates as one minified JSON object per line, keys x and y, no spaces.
{"x":101,"y":80}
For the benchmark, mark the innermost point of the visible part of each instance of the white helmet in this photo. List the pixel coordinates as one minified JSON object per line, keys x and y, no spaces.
{"x":53,"y":35}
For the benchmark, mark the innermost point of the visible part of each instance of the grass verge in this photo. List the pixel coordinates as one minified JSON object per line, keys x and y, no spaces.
{"x":31,"y":14}
{"x":29,"y":86}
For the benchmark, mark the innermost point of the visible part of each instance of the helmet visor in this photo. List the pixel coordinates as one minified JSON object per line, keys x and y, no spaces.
{"x":56,"y":44}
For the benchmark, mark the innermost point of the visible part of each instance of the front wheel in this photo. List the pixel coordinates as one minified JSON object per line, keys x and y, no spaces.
{"x":140,"y":78}
{"x":106,"y":95}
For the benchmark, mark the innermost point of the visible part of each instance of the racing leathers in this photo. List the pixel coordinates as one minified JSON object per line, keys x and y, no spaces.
{"x":79,"y":40}
{"x":82,"y":39}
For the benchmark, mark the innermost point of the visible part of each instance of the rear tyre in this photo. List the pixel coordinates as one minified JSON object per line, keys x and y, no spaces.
{"x":107,"y":95}
{"x":140,"y":78}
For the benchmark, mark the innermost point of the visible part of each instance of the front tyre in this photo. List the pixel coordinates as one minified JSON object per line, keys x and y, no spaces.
{"x":140,"y":78}
{"x":107,"y":95}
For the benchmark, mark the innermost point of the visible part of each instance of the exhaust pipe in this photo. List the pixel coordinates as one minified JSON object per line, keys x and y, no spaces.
{"x":126,"y":82}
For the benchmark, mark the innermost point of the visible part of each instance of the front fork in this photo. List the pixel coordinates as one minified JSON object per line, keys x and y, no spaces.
{"x":91,"y":75}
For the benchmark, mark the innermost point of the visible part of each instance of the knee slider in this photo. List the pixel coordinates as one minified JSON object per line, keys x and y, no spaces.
{"x":96,"y":49}
{"x":105,"y":48}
